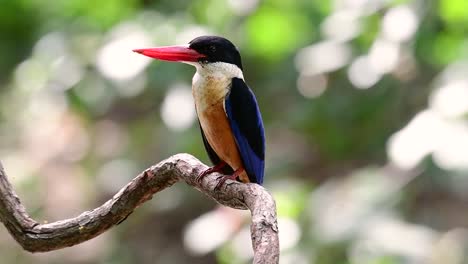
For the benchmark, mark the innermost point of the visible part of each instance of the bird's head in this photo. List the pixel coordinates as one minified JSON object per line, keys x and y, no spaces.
{"x":204,"y":50}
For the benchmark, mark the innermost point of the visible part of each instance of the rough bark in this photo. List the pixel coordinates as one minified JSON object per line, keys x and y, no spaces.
{"x":36,"y":237}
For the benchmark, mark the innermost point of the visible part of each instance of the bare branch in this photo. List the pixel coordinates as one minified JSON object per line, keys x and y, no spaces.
{"x":36,"y":237}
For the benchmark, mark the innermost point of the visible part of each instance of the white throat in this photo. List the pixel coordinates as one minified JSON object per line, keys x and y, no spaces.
{"x":212,"y":82}
{"x":219,"y":70}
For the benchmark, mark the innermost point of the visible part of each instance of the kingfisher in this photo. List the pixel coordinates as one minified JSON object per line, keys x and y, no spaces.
{"x":228,"y":113}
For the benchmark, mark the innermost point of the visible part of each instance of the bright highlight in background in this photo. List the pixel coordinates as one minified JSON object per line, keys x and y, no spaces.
{"x":322,"y":57}
{"x":451,"y":100}
{"x":116,"y":61}
{"x":419,"y":138}
{"x":178,"y":110}
{"x":361,"y":73}
{"x":400,"y":23}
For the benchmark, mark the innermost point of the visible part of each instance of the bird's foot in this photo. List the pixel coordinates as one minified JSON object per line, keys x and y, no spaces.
{"x":216,"y":168}
{"x":229,"y":177}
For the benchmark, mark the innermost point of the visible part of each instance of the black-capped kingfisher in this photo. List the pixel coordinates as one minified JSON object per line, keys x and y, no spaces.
{"x":230,"y":120}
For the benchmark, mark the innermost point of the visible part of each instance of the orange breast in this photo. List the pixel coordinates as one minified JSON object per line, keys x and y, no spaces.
{"x":215,"y":125}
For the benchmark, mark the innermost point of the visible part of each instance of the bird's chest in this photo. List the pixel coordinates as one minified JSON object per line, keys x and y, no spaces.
{"x":209,"y":94}
{"x":209,"y":91}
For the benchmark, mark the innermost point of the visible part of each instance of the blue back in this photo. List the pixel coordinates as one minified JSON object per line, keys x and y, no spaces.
{"x":247,"y":126}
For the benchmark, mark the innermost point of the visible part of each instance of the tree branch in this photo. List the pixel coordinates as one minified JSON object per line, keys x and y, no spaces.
{"x":36,"y":237}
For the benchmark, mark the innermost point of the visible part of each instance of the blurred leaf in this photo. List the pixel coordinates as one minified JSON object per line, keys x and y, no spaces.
{"x":18,"y":25}
{"x":385,"y":260}
{"x":226,"y":256}
{"x":324,"y":7}
{"x":291,"y":204}
{"x":274,"y":33}
{"x":371,"y":27}
{"x":447,"y":48}
{"x":212,"y":12}
{"x":100,"y":16}
{"x":399,"y":2}
{"x":454,"y":12}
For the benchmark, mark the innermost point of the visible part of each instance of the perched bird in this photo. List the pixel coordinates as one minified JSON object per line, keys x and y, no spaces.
{"x":229,"y":117}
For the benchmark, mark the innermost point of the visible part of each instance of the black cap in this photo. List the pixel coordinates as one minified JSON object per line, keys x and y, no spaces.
{"x":216,"y":49}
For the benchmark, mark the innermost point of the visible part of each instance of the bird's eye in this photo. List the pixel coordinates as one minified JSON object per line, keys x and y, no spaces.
{"x":212,"y":48}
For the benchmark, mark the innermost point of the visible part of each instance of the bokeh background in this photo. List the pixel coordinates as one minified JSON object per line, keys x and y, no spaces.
{"x":365,"y":104}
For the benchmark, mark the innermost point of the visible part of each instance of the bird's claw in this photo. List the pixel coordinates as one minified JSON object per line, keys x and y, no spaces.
{"x":216,"y":168}
{"x":228,"y":177}
{"x":201,"y":176}
{"x":223,"y":179}
{"x":204,"y":173}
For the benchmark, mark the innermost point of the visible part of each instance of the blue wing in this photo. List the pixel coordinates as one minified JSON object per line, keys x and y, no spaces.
{"x":247,"y":126}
